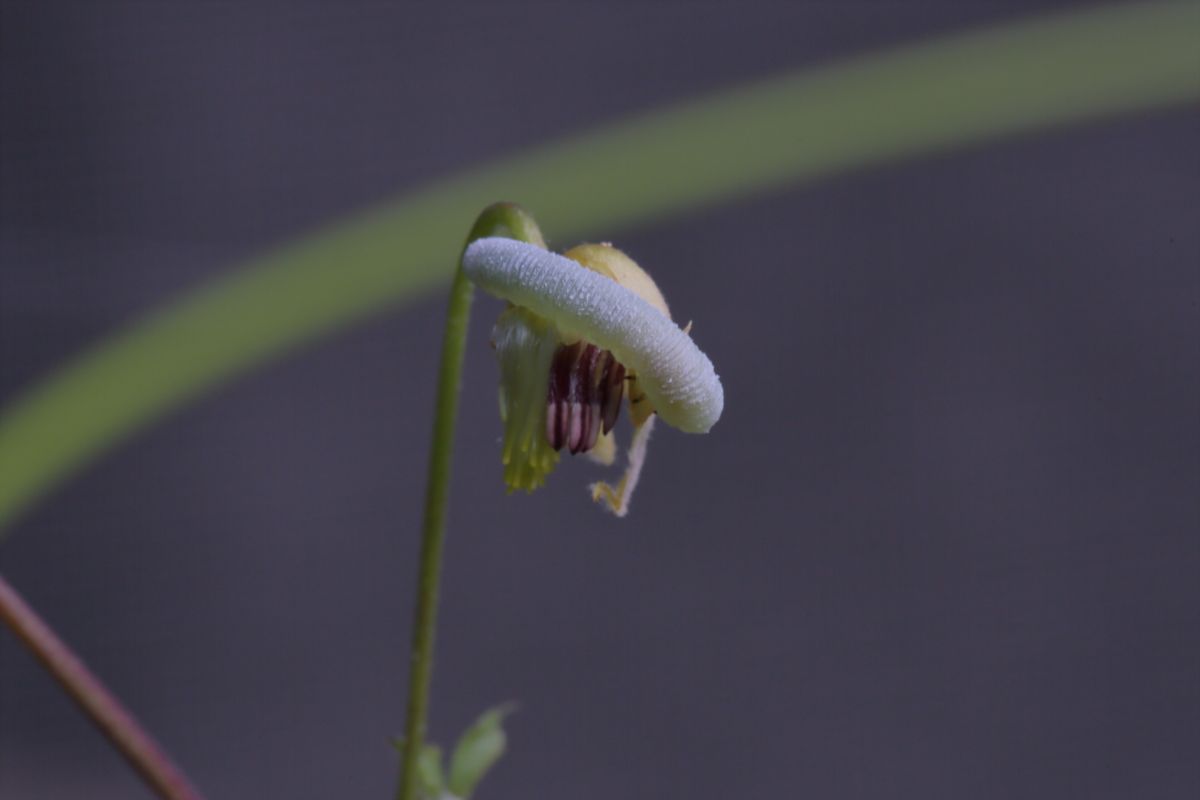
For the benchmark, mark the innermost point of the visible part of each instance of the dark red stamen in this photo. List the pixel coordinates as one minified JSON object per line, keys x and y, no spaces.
{"x":558,"y":416}
{"x":597,"y":377}
{"x":583,"y":397}
{"x":614,"y":388}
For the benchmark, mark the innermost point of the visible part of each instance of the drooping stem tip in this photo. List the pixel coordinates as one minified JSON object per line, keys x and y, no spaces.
{"x":500,"y":219}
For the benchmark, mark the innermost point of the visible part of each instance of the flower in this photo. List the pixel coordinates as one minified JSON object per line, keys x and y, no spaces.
{"x":583,"y":330}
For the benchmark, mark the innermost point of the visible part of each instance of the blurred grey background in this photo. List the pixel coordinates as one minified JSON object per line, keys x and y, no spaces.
{"x":944,"y":542}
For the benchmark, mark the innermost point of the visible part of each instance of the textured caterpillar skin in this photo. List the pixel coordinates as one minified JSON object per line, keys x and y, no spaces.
{"x":678,"y":378}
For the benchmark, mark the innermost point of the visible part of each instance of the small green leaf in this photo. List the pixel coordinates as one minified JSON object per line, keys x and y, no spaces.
{"x":479,"y":748}
{"x":431,"y":781}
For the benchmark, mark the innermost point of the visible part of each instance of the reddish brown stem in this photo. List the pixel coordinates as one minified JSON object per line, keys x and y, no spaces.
{"x":113,"y":720}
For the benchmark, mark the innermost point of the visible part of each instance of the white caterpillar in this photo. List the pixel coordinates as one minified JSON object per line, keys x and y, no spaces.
{"x":677,"y":377}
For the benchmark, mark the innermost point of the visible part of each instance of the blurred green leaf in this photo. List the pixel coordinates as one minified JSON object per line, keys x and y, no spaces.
{"x":949,"y":92}
{"x":479,"y":748}
{"x":429,"y":772}
{"x":431,"y":780}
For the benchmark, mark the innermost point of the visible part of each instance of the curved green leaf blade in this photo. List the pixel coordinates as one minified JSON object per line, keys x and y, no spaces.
{"x":950,"y":92}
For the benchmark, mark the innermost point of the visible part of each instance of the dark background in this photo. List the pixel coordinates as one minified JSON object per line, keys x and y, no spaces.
{"x":943,"y":543}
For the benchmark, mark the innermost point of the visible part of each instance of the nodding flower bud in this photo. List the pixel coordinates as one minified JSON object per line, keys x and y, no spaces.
{"x":585,"y":329}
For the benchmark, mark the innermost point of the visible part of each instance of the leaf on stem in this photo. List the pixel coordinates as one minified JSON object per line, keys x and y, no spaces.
{"x":431,"y":780}
{"x":479,"y":748}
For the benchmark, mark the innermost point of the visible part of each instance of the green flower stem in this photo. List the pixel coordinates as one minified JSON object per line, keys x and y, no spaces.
{"x":949,"y":92}
{"x":501,"y":219}
{"x":114,"y":721}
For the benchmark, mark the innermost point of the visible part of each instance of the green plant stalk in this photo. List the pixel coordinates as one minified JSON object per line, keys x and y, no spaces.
{"x":958,"y":90}
{"x":89,"y":693}
{"x":499,"y":219}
